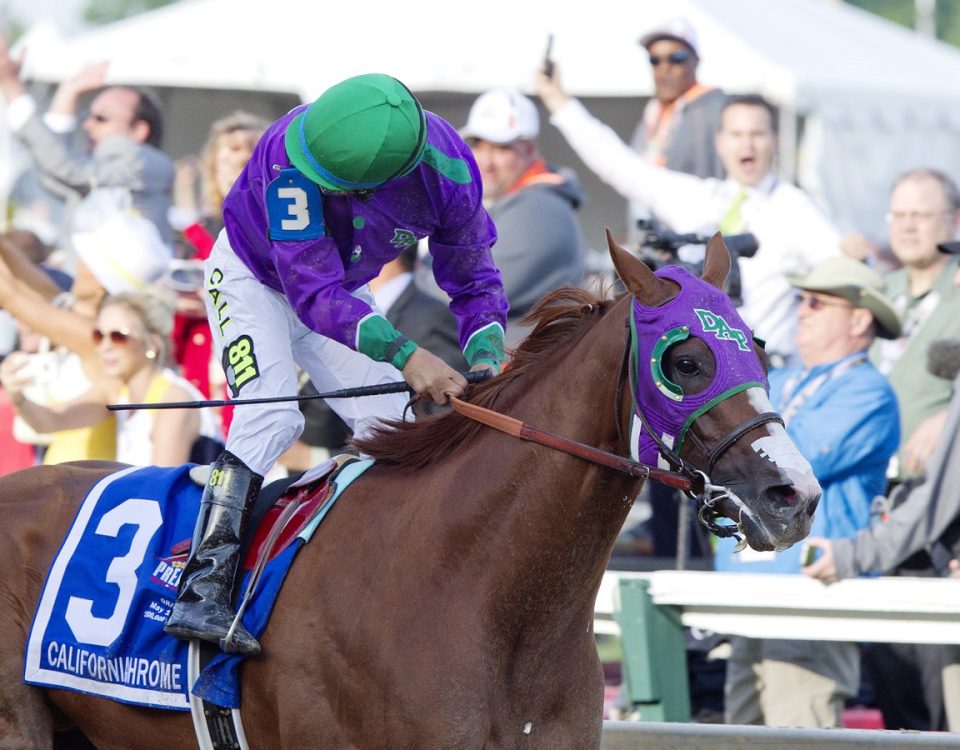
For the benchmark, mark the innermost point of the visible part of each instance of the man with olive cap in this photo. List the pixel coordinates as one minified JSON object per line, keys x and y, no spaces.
{"x":842,"y":414}
{"x":332,"y":192}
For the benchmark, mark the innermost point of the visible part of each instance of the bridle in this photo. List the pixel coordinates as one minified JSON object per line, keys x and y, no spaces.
{"x":694,"y":483}
{"x":712,"y":494}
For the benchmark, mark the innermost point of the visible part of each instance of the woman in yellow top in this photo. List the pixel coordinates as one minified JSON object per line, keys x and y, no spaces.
{"x":132,"y":342}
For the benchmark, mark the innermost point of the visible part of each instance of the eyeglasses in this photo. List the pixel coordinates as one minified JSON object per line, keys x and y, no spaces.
{"x":674,"y":58}
{"x":118,"y":338}
{"x":818,"y":303}
{"x":918,"y":216}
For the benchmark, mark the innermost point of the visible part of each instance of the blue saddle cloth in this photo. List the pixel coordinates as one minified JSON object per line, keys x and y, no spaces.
{"x":98,"y":627}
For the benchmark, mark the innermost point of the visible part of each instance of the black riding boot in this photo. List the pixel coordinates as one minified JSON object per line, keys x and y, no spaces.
{"x":204,"y":609}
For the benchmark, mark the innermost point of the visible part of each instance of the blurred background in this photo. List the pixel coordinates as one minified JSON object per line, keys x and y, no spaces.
{"x":862,"y":88}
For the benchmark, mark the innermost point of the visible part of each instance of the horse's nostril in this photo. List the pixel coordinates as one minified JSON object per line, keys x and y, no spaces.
{"x":788,"y":493}
{"x":812,"y":505}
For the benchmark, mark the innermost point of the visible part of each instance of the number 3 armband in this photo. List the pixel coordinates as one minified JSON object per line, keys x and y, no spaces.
{"x":294,"y":207}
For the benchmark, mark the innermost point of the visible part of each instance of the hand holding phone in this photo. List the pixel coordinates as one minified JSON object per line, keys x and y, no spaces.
{"x":547,"y":59}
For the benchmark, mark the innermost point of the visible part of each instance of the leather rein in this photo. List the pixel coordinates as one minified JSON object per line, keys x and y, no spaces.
{"x":694,"y":483}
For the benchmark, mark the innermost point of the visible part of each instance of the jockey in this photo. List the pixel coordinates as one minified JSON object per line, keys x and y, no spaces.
{"x":332,"y":192}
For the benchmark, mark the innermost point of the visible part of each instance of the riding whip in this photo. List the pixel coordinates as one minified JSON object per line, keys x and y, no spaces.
{"x":475,"y":376}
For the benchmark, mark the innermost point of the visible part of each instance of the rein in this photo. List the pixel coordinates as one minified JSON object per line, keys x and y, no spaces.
{"x":686,"y":482}
{"x":692,"y":482}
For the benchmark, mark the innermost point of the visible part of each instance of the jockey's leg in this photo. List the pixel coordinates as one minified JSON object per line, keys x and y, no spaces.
{"x":204,"y":609}
{"x":253,"y":327}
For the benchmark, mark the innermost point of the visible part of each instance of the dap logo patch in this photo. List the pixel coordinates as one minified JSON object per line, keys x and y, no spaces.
{"x":403,"y":238}
{"x":715,"y":324}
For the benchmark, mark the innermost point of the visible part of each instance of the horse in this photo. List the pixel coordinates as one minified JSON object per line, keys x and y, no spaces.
{"x":448,"y":599}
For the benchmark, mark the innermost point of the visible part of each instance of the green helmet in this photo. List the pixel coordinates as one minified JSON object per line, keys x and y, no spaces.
{"x":359,"y":134}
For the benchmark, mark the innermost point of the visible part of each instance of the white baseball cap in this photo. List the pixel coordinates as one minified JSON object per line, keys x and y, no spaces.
{"x":502,"y":116}
{"x":678,"y":29}
{"x":125,"y":253}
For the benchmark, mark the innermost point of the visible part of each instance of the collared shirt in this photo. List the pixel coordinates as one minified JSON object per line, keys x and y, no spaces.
{"x":792,"y":233}
{"x":388,"y":293}
{"x":440,"y":199}
{"x":927,"y":317}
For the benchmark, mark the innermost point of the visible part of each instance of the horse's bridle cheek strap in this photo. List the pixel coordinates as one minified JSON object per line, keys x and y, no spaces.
{"x":713,"y":454}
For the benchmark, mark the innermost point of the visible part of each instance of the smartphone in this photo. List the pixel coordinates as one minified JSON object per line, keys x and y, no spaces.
{"x":547,"y":58}
{"x":807,"y":555}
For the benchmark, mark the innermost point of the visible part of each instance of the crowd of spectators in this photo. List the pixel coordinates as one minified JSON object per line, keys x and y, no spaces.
{"x":114,"y":311}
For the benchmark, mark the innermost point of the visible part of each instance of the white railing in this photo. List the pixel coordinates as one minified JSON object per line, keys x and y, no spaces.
{"x":886,"y":610}
{"x":621,"y":735}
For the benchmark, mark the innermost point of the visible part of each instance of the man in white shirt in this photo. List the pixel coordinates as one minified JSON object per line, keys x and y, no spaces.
{"x":793,"y":234}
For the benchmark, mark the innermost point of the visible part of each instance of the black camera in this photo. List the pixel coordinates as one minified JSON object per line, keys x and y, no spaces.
{"x":659,"y":247}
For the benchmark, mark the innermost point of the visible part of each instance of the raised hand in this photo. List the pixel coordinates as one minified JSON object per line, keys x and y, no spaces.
{"x":10,"y":84}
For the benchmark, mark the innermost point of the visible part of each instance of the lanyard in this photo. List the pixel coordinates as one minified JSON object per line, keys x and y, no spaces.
{"x":794,"y":401}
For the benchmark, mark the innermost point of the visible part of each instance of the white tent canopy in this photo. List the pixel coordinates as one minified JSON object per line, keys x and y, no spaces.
{"x":809,"y":53}
{"x":870,"y":93}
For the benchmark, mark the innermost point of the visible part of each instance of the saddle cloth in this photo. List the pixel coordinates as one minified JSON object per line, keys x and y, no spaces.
{"x":98,"y":627}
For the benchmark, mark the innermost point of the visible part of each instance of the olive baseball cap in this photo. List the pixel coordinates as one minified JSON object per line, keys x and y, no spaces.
{"x":359,"y":134}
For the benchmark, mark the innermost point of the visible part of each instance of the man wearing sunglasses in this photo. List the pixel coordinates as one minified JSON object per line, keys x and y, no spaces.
{"x":842,"y":414}
{"x":792,"y":232}
{"x":123,"y":128}
{"x":332,"y":192}
{"x":680,"y":121}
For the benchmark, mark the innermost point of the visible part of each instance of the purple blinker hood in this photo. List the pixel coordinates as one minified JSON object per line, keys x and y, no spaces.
{"x":703,"y":311}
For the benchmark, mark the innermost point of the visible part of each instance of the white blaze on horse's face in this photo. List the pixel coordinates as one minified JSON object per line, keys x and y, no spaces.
{"x":778,"y":448}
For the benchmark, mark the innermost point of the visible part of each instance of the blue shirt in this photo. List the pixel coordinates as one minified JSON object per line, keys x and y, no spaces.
{"x":848,"y":427}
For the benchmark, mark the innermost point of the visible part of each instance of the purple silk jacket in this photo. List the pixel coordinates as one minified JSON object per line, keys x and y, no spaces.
{"x":440,"y":199}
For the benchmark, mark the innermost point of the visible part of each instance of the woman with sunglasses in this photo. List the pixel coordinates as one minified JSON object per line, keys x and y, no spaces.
{"x":119,"y":253}
{"x":132,"y":342}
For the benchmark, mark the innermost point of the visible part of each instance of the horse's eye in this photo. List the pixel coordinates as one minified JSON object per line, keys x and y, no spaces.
{"x":687,"y":367}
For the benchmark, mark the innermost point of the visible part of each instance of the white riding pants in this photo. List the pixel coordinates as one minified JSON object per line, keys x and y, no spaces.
{"x":261,"y":339}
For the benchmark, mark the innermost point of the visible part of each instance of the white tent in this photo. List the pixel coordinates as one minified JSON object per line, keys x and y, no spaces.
{"x":860,"y":97}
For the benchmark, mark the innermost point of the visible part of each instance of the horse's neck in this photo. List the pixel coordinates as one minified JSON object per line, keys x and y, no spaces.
{"x":557,"y":516}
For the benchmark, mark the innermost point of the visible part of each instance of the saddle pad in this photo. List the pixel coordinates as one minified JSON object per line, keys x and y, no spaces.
{"x":98,"y":628}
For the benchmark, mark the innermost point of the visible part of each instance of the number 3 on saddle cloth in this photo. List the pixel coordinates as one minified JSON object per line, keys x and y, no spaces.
{"x":98,"y":627}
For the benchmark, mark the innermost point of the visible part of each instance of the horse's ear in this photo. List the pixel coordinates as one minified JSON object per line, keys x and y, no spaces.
{"x":637,"y":276}
{"x":716,"y":262}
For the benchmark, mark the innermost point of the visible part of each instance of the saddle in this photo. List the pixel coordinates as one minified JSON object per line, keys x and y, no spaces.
{"x":282,"y":510}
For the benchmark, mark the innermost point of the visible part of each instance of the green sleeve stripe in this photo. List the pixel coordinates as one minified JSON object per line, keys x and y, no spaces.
{"x":485,"y":345}
{"x":377,"y":338}
{"x":455,"y":170}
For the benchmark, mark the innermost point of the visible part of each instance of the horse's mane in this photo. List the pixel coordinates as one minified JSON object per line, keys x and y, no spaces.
{"x":556,"y":318}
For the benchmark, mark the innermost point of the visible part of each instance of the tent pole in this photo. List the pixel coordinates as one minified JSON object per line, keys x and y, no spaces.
{"x":788,"y":143}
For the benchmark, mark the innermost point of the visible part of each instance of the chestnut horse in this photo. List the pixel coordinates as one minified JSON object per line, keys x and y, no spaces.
{"x":448,"y":599}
